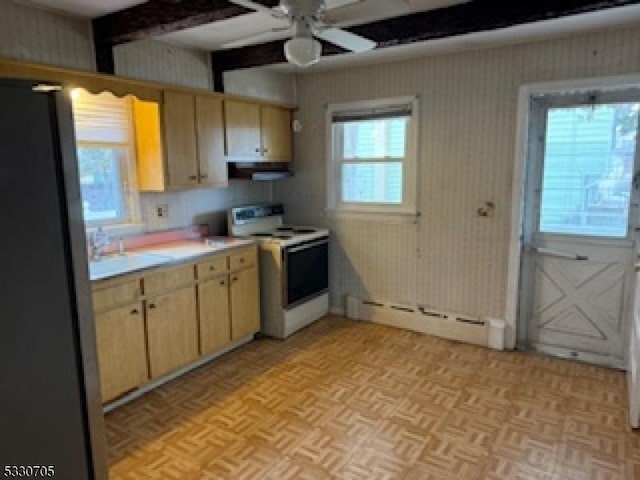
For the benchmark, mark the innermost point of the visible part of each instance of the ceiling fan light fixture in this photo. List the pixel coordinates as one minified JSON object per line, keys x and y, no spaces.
{"x":302,"y":51}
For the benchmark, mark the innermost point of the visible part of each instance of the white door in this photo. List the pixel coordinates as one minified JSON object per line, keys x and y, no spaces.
{"x":578,"y":264}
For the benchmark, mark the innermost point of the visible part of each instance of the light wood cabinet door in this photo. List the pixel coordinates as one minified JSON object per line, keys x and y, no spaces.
{"x":210,"y":135}
{"x":172,"y":331}
{"x":180,"y":139}
{"x":121,"y":346}
{"x":167,"y":279}
{"x":242,"y":131}
{"x":276,"y":134}
{"x":149,"y":150}
{"x":215,"y":322}
{"x":245,"y":303}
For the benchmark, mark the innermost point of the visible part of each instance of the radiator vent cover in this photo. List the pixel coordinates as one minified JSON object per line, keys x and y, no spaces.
{"x":422,"y":318}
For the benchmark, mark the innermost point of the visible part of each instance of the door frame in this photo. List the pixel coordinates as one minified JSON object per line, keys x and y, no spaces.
{"x":516,"y":327}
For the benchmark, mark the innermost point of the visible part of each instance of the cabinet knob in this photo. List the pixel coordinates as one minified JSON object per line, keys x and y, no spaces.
{"x":134,"y":311}
{"x":212,"y":269}
{"x":152,"y":306}
{"x":235,"y":279}
{"x":241,"y":259}
{"x":258,"y":150}
{"x":222,"y":282}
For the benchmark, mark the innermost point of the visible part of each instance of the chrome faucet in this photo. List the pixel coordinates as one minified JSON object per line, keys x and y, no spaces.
{"x":98,"y":240}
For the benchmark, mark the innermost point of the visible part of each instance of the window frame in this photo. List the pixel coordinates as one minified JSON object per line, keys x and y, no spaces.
{"x":335,"y":161}
{"x":130,"y":222}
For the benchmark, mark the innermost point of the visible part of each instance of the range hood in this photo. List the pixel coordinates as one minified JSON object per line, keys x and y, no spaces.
{"x":259,"y":170}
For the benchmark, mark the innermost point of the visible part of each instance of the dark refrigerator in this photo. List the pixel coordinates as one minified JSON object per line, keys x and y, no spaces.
{"x":50,"y":412}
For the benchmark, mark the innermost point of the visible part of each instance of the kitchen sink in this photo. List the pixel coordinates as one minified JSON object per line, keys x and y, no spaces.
{"x":113,"y":265}
{"x":186,"y":250}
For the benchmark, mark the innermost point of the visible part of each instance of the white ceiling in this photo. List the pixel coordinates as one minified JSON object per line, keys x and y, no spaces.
{"x":605,"y":19}
{"x":84,"y":8}
{"x":213,"y":36}
{"x":352,"y":12}
{"x":341,"y":12}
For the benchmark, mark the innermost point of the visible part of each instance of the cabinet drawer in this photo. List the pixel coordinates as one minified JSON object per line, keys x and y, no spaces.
{"x":168,"y":279}
{"x":211,"y":267}
{"x":115,"y":296}
{"x":245,"y":258}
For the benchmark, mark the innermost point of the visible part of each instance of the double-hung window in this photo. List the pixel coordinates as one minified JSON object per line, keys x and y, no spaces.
{"x":104,"y":140}
{"x":372,"y":168}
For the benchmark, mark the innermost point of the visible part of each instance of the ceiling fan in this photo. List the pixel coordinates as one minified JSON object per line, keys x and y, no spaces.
{"x":306,"y":19}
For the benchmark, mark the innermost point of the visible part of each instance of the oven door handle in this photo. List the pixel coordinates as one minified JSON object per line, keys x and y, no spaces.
{"x":324,"y":241}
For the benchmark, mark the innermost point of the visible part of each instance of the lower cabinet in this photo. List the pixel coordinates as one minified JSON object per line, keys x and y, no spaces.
{"x":122,"y":355}
{"x":171,"y":317}
{"x":172,"y":331}
{"x":245,"y":304}
{"x":215,"y":321}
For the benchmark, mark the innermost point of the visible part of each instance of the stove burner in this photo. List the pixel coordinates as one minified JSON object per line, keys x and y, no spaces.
{"x":304,"y":230}
{"x":284,"y":229}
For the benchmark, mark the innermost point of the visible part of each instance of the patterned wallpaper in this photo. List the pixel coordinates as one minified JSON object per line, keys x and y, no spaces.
{"x":40,"y":36}
{"x":452,"y":259}
{"x":157,"y":61}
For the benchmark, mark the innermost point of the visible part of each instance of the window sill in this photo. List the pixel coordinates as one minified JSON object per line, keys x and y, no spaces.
{"x":382,"y":217}
{"x":120,"y":230}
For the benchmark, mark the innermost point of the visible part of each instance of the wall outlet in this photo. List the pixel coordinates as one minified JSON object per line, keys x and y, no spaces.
{"x":162,"y":210}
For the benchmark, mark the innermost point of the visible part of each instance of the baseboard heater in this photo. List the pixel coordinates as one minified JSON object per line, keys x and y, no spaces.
{"x":421,"y":318}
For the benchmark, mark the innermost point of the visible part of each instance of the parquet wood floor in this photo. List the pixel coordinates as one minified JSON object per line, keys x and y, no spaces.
{"x":354,"y":400}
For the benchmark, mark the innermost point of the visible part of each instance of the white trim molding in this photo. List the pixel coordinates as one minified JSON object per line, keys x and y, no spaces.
{"x":384,"y":212}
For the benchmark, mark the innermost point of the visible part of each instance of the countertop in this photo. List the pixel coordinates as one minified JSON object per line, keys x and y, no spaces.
{"x":163,"y":254}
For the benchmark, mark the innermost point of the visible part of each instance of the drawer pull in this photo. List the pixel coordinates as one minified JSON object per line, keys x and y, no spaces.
{"x":241,"y":259}
{"x":257,"y":150}
{"x":193,"y":177}
{"x":212,"y":268}
{"x":203,"y":176}
{"x":152,"y":306}
{"x":134,"y":311}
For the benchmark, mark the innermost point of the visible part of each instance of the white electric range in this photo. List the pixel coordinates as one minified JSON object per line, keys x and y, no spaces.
{"x":294,"y":267}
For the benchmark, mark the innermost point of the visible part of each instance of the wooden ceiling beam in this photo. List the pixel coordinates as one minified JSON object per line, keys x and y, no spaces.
{"x":159,"y":17}
{"x":460,"y":19}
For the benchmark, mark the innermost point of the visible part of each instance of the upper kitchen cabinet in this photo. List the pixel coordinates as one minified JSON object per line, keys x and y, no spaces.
{"x":277,"y":143}
{"x":180,"y":144}
{"x":257,"y":133}
{"x":210,"y":142}
{"x":242,"y":130}
{"x":179,"y":119}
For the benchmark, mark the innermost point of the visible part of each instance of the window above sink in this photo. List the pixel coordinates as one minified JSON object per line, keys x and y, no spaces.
{"x":106,"y":160}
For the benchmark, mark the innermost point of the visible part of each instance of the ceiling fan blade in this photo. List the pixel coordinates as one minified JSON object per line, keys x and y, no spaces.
{"x":258,"y":7}
{"x":254,"y":38}
{"x":344,"y":39}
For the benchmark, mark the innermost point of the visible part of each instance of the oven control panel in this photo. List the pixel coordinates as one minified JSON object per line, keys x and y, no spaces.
{"x":244,"y":214}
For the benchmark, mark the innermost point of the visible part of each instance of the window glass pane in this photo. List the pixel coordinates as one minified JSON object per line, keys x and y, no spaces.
{"x":588,"y":166}
{"x":372,"y":182}
{"x":374,"y":138}
{"x":101,"y":183}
